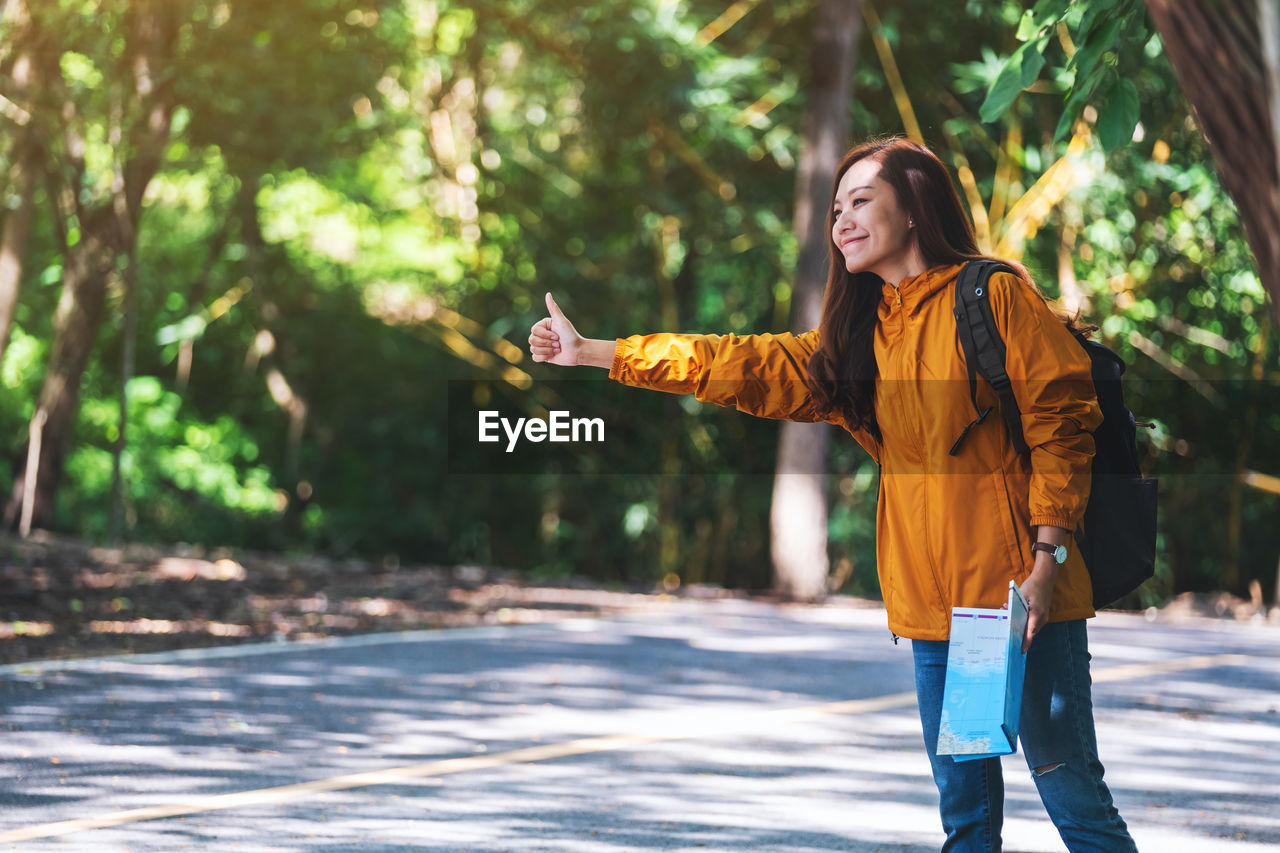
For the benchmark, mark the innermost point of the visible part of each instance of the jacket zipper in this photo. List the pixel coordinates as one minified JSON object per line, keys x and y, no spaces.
{"x":922,"y":448}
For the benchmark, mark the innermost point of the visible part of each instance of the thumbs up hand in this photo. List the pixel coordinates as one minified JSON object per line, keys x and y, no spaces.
{"x":554,"y":339}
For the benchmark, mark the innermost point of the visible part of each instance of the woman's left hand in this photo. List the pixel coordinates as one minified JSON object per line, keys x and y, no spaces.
{"x":1037,"y":589}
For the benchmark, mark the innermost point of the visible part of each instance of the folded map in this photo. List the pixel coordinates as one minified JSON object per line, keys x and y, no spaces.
{"x":983,"y":693}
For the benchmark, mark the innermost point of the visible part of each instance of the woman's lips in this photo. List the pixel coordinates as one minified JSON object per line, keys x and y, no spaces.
{"x":847,"y":243}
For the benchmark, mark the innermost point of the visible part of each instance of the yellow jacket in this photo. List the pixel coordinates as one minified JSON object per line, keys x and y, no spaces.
{"x":950,"y":530}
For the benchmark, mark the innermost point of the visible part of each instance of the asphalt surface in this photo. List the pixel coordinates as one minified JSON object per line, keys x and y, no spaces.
{"x":691,"y":726}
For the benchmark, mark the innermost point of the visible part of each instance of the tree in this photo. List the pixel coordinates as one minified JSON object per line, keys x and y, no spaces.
{"x":135,"y":110}
{"x":798,"y":518}
{"x":1226,"y":54}
{"x":1227,"y":57}
{"x":108,"y":109}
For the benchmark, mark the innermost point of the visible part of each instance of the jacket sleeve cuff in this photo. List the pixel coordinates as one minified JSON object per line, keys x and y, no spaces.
{"x":615,"y":369}
{"x":1053,"y":521}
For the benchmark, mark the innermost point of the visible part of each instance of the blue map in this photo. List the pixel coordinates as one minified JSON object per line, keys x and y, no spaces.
{"x":983,"y":693}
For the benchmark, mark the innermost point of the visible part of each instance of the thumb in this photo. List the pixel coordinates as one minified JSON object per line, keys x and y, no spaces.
{"x":553,"y":307}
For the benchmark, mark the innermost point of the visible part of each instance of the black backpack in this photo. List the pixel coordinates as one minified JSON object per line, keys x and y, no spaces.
{"x":1117,"y":537}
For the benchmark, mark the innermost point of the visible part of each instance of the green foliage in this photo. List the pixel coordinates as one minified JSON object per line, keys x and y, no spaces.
{"x":182,"y":473}
{"x":1102,"y":35}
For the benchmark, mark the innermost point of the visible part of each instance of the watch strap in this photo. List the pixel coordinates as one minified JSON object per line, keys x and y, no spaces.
{"x":1051,"y":550}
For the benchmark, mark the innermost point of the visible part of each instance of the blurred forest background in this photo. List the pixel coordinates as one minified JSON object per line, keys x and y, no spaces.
{"x":250,"y":246}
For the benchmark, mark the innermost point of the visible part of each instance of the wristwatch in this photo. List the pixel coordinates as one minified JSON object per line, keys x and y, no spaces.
{"x":1059,"y":552}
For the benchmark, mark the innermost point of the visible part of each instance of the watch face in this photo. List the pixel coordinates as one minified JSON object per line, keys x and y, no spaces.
{"x":1060,"y":553}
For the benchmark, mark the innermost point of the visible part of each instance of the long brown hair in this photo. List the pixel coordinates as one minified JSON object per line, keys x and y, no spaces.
{"x":842,"y":370}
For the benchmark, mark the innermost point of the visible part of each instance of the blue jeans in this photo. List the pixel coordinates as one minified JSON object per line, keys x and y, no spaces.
{"x":1056,"y":731}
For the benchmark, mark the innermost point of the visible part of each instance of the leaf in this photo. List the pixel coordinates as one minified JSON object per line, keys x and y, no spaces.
{"x":1136,"y":32}
{"x":1070,"y":110}
{"x":1090,"y":15}
{"x":1064,"y":124}
{"x":1033,"y":62}
{"x":1118,"y":118}
{"x":1046,"y":13}
{"x":1027,"y":26}
{"x":1091,"y":51}
{"x":1100,"y":81}
{"x":1007,"y":85}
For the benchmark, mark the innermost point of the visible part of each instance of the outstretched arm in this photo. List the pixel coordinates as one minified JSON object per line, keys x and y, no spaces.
{"x":762,"y":375}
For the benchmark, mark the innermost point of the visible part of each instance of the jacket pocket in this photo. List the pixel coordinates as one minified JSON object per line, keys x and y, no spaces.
{"x":1016,"y":533}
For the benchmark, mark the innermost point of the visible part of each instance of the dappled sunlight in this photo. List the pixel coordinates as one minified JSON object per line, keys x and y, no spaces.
{"x":1126,"y":652}
{"x":1197,"y":699}
{"x":167,"y":568}
{"x":403,"y":304}
{"x":233,"y":718}
{"x":188,"y":569}
{"x":10,"y":630}
{"x":168,"y":626}
{"x":802,"y":736}
{"x":138,"y":598}
{"x":768,"y":645}
{"x":278,"y":679}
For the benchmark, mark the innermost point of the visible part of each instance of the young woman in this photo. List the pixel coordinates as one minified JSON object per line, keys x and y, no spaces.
{"x":885,"y":364}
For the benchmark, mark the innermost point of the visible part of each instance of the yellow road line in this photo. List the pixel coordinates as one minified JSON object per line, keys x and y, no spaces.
{"x":1137,"y":670}
{"x":284,"y":793}
{"x":584,"y":746}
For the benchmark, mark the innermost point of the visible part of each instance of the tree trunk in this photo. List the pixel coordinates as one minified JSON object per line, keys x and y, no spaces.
{"x":1074,"y":299}
{"x":798,"y":518}
{"x":1226,"y":54}
{"x":130,"y":282}
{"x":268,"y":345}
{"x":13,"y":241}
{"x":75,"y":327}
{"x":25,"y":155}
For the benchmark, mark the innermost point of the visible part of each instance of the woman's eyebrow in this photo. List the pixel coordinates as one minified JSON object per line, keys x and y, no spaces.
{"x":854,"y":190}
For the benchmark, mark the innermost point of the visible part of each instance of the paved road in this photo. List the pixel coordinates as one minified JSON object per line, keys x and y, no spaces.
{"x":693,"y":726}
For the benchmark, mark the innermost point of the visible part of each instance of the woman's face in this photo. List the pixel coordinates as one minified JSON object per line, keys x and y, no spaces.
{"x":870,"y":228}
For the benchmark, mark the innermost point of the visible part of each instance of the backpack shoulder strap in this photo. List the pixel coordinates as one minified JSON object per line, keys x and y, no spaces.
{"x":983,"y":348}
